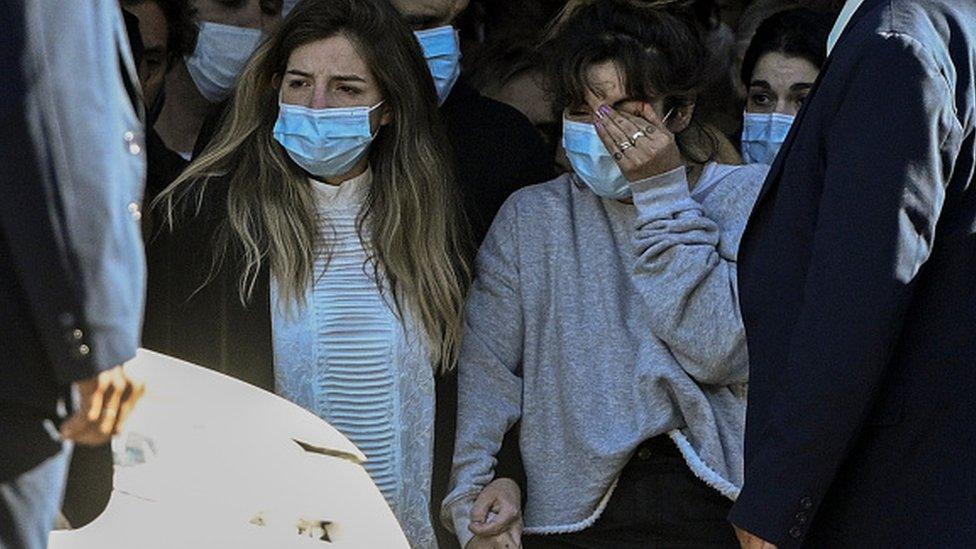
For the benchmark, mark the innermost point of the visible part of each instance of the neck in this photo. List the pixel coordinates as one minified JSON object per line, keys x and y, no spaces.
{"x":356,"y":171}
{"x":183,"y":112}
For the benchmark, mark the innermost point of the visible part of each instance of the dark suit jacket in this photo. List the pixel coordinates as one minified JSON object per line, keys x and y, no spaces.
{"x":60,"y":242}
{"x":858,"y":291}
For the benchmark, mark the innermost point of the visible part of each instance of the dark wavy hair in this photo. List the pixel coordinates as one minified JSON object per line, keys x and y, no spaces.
{"x":656,"y":43}
{"x":797,"y":32}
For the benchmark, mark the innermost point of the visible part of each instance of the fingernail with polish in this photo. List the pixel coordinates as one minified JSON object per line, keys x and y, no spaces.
{"x":605,"y":110}
{"x":599,"y":125}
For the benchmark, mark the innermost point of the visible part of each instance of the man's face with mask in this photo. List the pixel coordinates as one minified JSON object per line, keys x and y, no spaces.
{"x":430,"y":20}
{"x":229,"y":32}
{"x":154,"y":30}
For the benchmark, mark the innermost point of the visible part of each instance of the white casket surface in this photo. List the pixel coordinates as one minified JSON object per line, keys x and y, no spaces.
{"x":208,"y":461}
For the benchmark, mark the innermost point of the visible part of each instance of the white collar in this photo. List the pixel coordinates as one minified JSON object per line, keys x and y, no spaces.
{"x":842,"y":20}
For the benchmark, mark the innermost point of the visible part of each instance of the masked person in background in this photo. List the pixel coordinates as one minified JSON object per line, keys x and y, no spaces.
{"x":228,"y":33}
{"x":604,"y":311}
{"x":497,"y":151}
{"x":323,"y":244}
{"x":779,"y":69}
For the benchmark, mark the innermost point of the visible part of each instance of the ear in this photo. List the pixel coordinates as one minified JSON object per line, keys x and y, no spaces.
{"x":386,"y":115}
{"x":276,"y":82}
{"x":681,"y":118}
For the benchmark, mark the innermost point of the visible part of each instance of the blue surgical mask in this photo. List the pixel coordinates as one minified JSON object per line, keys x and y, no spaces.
{"x":763,"y":135}
{"x":221,"y":53}
{"x":591,"y":161}
{"x":442,"y":50}
{"x":326,"y":143}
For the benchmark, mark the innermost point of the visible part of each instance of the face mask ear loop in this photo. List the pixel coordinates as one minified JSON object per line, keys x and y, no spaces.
{"x":666,"y":117}
{"x":370,"y":111}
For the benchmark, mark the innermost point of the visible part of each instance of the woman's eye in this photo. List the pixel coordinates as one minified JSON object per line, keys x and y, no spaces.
{"x":295,"y":84}
{"x":347,"y":90}
{"x":761,"y":99}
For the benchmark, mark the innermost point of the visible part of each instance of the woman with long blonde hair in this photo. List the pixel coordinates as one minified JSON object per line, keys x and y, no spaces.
{"x":315,"y":246}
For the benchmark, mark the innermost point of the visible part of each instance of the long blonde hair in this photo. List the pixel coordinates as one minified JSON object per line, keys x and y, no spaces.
{"x":412,"y":212}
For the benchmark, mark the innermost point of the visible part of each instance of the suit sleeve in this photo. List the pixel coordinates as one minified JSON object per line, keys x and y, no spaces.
{"x":880,"y":203}
{"x":92,"y":136}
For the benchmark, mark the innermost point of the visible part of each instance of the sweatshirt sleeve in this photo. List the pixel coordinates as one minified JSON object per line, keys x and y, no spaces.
{"x":489,"y":385}
{"x":687,"y":279}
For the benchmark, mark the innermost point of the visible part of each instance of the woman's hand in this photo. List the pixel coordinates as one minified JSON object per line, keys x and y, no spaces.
{"x":496,"y":518}
{"x":641,"y":145}
{"x":505,"y":540}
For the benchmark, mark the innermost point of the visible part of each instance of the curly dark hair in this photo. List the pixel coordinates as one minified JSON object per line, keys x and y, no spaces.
{"x":656,"y":43}
{"x":796,"y":33}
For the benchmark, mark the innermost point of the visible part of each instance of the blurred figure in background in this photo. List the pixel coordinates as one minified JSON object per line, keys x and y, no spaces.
{"x":71,"y":260}
{"x":510,"y":70}
{"x":228,"y":31}
{"x":167,"y":34}
{"x":754,"y":13}
{"x":779,"y":70}
{"x":496,"y":152}
{"x":321,"y":242}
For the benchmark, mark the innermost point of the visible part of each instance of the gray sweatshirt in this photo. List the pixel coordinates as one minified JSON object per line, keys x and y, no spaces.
{"x":601,"y":324}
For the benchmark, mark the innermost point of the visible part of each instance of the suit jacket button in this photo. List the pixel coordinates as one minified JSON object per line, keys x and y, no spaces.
{"x":807,"y":503}
{"x":82,"y":350}
{"x":801,"y":518}
{"x":796,"y":532}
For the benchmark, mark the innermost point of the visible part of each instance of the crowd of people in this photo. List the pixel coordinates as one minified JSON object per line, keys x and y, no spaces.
{"x":540,"y":260}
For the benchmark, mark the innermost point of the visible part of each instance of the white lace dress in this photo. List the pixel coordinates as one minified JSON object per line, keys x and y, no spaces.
{"x":345,"y":355}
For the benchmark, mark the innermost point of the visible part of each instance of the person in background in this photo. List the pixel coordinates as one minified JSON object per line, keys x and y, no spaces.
{"x":71,"y":258}
{"x":167,"y":33}
{"x":857,"y":288}
{"x":496,"y":152}
{"x":509,"y":69}
{"x":322,"y":240}
{"x":228,"y":33}
{"x":604,"y":311}
{"x":779,"y":70}
{"x":753,"y":14}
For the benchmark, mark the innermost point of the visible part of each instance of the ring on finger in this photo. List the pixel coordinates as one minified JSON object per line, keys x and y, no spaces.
{"x":638,"y":135}
{"x":618,"y":155}
{"x":625,"y":145}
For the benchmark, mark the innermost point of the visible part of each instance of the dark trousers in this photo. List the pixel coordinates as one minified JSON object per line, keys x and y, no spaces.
{"x":33,"y":466}
{"x":658,"y":502}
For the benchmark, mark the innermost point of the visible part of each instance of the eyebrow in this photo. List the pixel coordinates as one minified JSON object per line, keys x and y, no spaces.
{"x":760,"y":84}
{"x":349,"y":78}
{"x":801,"y":86}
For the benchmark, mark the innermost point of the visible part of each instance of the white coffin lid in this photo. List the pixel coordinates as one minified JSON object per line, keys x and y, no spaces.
{"x":220,"y":457}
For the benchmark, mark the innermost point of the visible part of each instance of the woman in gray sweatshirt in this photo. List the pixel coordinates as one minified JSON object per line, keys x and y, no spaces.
{"x":604,"y":315}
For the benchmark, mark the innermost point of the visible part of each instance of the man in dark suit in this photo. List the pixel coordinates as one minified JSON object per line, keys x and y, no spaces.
{"x":858,"y":291}
{"x":71,"y":263}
